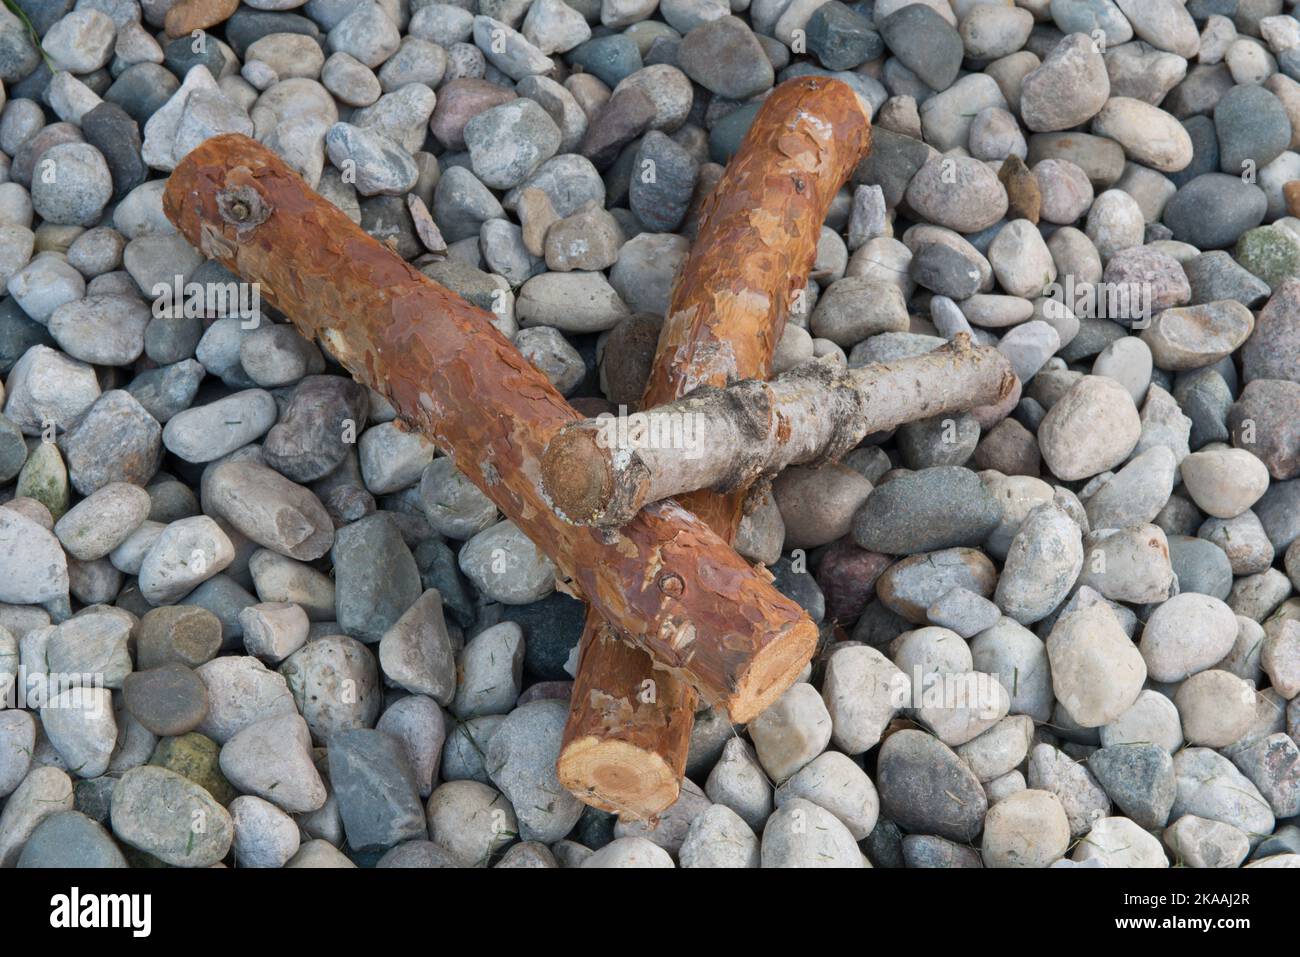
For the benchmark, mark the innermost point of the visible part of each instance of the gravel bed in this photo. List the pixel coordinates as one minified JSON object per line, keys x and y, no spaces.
{"x":1062,"y":632}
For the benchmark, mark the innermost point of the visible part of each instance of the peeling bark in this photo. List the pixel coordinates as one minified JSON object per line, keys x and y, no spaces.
{"x":814,"y":413}
{"x":666,"y":581}
{"x":623,"y":750}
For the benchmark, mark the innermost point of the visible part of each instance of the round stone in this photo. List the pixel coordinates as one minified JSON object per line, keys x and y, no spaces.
{"x":168,"y":700}
{"x":1191,"y":337}
{"x":1214,"y":209}
{"x":926,"y":788}
{"x":1186,"y":634}
{"x":1097,"y":671}
{"x":1253,"y":129}
{"x":1216,"y":708}
{"x":77,"y":188}
{"x":1149,"y":135}
{"x":927,"y":510}
{"x":1027,"y":829}
{"x":1090,"y":429}
{"x":154,"y":810}
{"x":958,"y":192}
{"x":1224,"y":482}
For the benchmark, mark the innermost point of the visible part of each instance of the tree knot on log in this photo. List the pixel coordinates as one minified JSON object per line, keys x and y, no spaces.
{"x":672,"y":585}
{"x":214,"y":244}
{"x":749,"y":411}
{"x":243,"y":207}
{"x":842,"y":401}
{"x":579,"y":480}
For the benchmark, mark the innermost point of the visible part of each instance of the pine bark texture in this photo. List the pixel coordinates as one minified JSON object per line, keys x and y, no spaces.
{"x":626,"y":742}
{"x":665,"y":580}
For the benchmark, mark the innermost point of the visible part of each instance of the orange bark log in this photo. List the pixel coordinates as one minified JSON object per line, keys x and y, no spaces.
{"x":626,"y":741}
{"x":665,"y":580}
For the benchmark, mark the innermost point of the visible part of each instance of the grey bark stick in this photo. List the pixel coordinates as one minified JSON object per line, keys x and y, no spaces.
{"x":603,"y":471}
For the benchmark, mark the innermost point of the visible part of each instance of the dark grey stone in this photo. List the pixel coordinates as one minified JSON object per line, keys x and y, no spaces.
{"x":112,"y":131}
{"x":1216,"y":276}
{"x":18,"y":333}
{"x":375,"y":576}
{"x":926,"y":788}
{"x":552,"y":628}
{"x":1201,"y":566}
{"x":388,"y":219}
{"x":1205,"y":150}
{"x":419,"y":854}
{"x":93,"y":797}
{"x":180,"y":56}
{"x":934,"y":508}
{"x":800,"y":586}
{"x":70,"y":839}
{"x":309,"y":441}
{"x":13,"y":449}
{"x":1279,"y":512}
{"x":377,"y":796}
{"x":842,"y":38}
{"x":1253,"y":127}
{"x":941,"y":440}
{"x":611,"y":58}
{"x":438,"y":569}
{"x":893,"y":161}
{"x":1093,"y":337}
{"x":247,"y":26}
{"x":1139,"y":778}
{"x":726,"y":133}
{"x":167,"y":390}
{"x":925,"y":43}
{"x":141,"y":89}
{"x":928,"y":851}
{"x":662,"y":182}
{"x":1213,"y":210}
{"x":1205,"y":399}
{"x":944,"y":270}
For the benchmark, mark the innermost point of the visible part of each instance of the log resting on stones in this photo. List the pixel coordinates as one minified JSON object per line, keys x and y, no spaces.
{"x":629,"y":727}
{"x":665,"y":580}
{"x":598,"y":473}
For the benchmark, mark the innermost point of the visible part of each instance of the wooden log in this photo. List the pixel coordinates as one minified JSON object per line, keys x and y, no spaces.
{"x":626,"y":741}
{"x":603,"y":470}
{"x":665,"y":580}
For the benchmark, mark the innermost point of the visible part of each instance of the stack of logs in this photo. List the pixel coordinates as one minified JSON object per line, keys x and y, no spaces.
{"x":675,"y":615}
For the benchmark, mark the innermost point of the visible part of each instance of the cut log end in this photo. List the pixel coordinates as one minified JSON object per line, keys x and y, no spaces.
{"x":629,"y":728}
{"x":576,"y":475}
{"x":588,"y":485}
{"x":773,"y":670}
{"x":618,"y":776}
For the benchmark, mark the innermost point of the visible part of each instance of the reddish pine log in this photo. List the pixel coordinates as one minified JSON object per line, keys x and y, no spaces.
{"x":665,"y":580}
